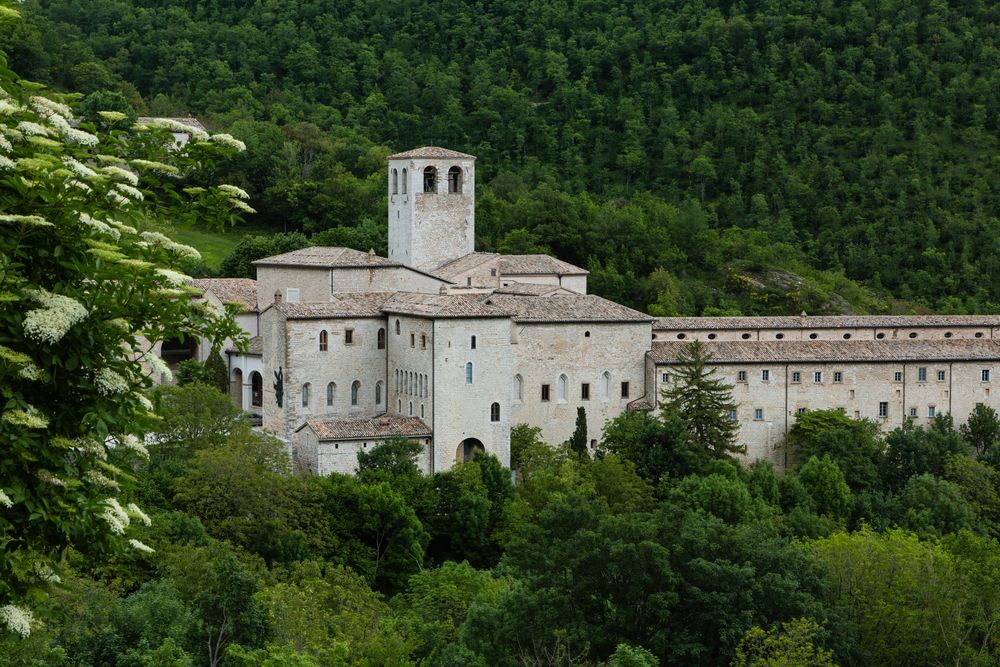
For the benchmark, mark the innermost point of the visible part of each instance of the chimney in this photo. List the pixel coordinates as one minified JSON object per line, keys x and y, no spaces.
{"x":277,"y":296}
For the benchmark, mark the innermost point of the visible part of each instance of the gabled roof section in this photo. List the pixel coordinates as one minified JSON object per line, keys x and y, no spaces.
{"x":328,"y":258}
{"x":533,"y":289}
{"x":566,"y":308}
{"x":431,"y":153}
{"x":456,"y":267}
{"x":383,"y":426}
{"x":871,"y":351}
{"x":231,"y":290}
{"x":523,"y":265}
{"x":341,"y":305}
{"x":445,"y":305}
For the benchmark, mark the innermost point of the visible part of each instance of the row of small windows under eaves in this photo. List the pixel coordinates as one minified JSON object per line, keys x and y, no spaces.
{"x":923,"y":374}
{"x":562,"y":389}
{"x":410,"y":412}
{"x":306,"y":398}
{"x":350,"y":338}
{"x":412,"y":383}
{"x":883,"y":412}
{"x":868,"y":334}
{"x":400,"y":180}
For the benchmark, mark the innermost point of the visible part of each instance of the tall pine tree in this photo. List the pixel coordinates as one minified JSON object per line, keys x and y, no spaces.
{"x":704,"y":401}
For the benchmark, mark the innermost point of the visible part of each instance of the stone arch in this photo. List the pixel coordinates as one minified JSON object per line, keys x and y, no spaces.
{"x":378,"y":393}
{"x":395,"y":181}
{"x":404,"y":180}
{"x":306,"y":388}
{"x":430,"y":179}
{"x":468,"y":448}
{"x":455,"y":181}
{"x":331,"y":393}
{"x":562,"y":388}
{"x":606,"y":386}
{"x":518,"y":387}
{"x":355,"y":389}
{"x":236,"y":387}
{"x":256,"y":390}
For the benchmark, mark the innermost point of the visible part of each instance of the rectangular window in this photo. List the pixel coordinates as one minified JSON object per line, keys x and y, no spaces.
{"x":921,"y":374}
{"x":545,"y":392}
{"x":913,"y":412}
{"x":493,"y":272}
{"x":585,"y":391}
{"x":732,"y":415}
{"x":800,"y":411}
{"x":741,"y":376}
{"x":348,"y":336}
{"x":931,"y":411}
{"x":666,"y":378}
{"x":758,"y":414}
{"x":413,"y":339}
{"x":292,"y":295}
{"x":624,"y":389}
{"x":940,"y":376}
{"x":765,"y":376}
{"x":796,"y":377}
{"x":883,"y":409}
{"x":838,"y":376}
{"x":423,"y":341}
{"x":897,"y":376}
{"x":818,"y":377}
{"x":985,"y":375}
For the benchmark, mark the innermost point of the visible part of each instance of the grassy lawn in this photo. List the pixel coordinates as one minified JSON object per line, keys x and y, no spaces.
{"x":212,"y":245}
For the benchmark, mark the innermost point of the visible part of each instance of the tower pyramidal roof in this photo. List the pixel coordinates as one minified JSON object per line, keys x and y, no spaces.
{"x":433,"y":153}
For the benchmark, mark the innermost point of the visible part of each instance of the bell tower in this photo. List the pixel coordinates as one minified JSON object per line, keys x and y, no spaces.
{"x":432,"y":206}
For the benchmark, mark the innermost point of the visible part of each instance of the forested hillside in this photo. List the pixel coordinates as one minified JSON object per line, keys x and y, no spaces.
{"x":697,"y":156}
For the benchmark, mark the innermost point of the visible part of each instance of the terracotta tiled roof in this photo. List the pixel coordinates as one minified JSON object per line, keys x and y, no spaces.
{"x":532,"y":289}
{"x":456,"y":267}
{"x":522,"y":265}
{"x":825,"y":322}
{"x":254,"y":346}
{"x":341,"y":305}
{"x":639,"y":405}
{"x":383,"y":426}
{"x":836,"y":350}
{"x":566,"y":308}
{"x":327,"y":257}
{"x":445,"y":305}
{"x":433,"y":153}
{"x":231,"y":290}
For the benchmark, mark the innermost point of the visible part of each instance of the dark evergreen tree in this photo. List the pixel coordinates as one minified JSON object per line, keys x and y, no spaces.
{"x":578,"y":441}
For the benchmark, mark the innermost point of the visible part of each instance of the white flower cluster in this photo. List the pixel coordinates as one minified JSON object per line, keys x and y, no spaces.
{"x":112,"y":116}
{"x":6,"y":163}
{"x":17,"y":619}
{"x":234,"y":191}
{"x":173,"y":277}
{"x":185,"y":251}
{"x":49,"y":478}
{"x":109,"y":383}
{"x":6,"y":108}
{"x":146,"y":404}
{"x":139,"y":546}
{"x":46,"y":574}
{"x":158,"y":240}
{"x":118,"y":199}
{"x":53,"y":320}
{"x":157,"y":365}
{"x":30,"y":371}
{"x":151,"y":165}
{"x":100,"y":226}
{"x":143,"y":518}
{"x":116,"y":518}
{"x":46,"y":107}
{"x":242,"y":206}
{"x":133,"y":192}
{"x":32,"y":129}
{"x":30,"y":220}
{"x":176,"y":126}
{"x":29,"y":418}
{"x":78,"y":168}
{"x":79,"y":137}
{"x":122,"y":227}
{"x":132,"y":443}
{"x":100,"y":479}
{"x":121,"y":174}
{"x":5,"y":500}
{"x":228,"y":140}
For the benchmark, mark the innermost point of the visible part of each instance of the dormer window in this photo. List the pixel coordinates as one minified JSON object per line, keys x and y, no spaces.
{"x":430,"y":179}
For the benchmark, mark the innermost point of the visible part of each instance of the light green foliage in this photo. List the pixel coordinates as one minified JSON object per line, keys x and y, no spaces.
{"x":982,"y":429}
{"x":396,"y":457}
{"x":703,"y":401}
{"x":81,"y":280}
{"x":828,"y":492}
{"x":791,"y":645}
{"x":632,"y":656}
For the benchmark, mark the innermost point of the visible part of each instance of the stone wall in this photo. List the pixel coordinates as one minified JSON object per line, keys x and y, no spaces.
{"x":411,"y":354}
{"x":841,"y":333}
{"x":313,"y":284}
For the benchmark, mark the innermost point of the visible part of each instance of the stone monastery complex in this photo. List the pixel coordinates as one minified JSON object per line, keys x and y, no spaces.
{"x":451,"y":347}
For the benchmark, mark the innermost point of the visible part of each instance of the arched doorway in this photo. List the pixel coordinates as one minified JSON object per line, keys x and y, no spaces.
{"x":175,"y":350}
{"x":256,"y":390}
{"x":468,"y":449}
{"x":236,"y":388}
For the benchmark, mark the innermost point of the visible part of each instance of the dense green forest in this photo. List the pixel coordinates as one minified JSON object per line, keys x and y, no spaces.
{"x":697,"y":157}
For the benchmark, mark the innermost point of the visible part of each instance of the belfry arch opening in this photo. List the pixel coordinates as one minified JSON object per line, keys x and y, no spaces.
{"x":454,"y":181}
{"x":430,"y":179}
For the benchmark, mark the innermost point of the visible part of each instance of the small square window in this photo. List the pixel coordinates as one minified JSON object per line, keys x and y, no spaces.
{"x":883,"y":409}
{"x":741,"y":376}
{"x":897,"y":376}
{"x":732,"y":415}
{"x":931,"y":411}
{"x":758,"y":414}
{"x":545,"y":392}
{"x":624,"y":389}
{"x":818,"y":377}
{"x":666,"y":378}
{"x":585,"y":391}
{"x":913,"y":412}
{"x":348,"y":336}
{"x":765,"y":376}
{"x":921,"y":374}
{"x":292,"y":295}
{"x":985,"y":376}
{"x":838,"y":376}
{"x":800,"y":411}
{"x":796,"y":377}
{"x":493,"y":272}
{"x":941,"y":376}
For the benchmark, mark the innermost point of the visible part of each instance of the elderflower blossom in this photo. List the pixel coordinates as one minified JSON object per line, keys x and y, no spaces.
{"x":80,"y":137}
{"x":17,"y":619}
{"x":79,"y":168}
{"x":168,"y":169}
{"x":123,"y":228}
{"x":120,"y":324}
{"x":109,"y":159}
{"x":147,"y":405}
{"x":101,"y":480}
{"x":234,"y":191}
{"x":32,"y":129}
{"x":131,"y":442}
{"x":185,"y":251}
{"x":109,"y":383}
{"x":173,"y":277}
{"x":143,"y":518}
{"x":157,"y":365}
{"x":44,"y":105}
{"x":30,"y":372}
{"x":53,"y":320}
{"x":58,"y":122}
{"x":116,"y":521}
{"x":6,"y":163}
{"x":80,"y":185}
{"x":13,"y":356}
{"x":228,"y":140}
{"x":134,"y":193}
{"x":28,"y":418}
{"x":176,"y":126}
{"x":5,"y":500}
{"x":49,"y":478}
{"x":118,"y":199}
{"x":33,"y":220}
{"x":112,"y":116}
{"x":137,"y":264}
{"x":139,"y":546}
{"x":100,"y":226}
{"x":5,"y":142}
{"x":6,"y":108}
{"x":242,"y":206}
{"x":46,"y":574}
{"x":121,"y":174}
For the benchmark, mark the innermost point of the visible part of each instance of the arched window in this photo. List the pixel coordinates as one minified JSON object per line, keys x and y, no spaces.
{"x":518,"y":381}
{"x":378,"y":393}
{"x":421,"y":410}
{"x":411,"y":408}
{"x":454,"y":181}
{"x":324,"y":341}
{"x":355,"y":388}
{"x":256,"y":389}
{"x":404,"y":181}
{"x":430,"y":179}
{"x":305,"y":395}
{"x":606,"y":386}
{"x":381,"y":339}
{"x":395,"y":182}
{"x":397,"y":327}
{"x":495,"y":412}
{"x":331,"y":390}
{"x":468,"y":373}
{"x":561,"y":388}
{"x":397,"y":381}
{"x":472,"y":343}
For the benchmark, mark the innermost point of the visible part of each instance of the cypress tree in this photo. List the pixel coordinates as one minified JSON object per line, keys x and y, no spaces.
{"x":578,"y":442}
